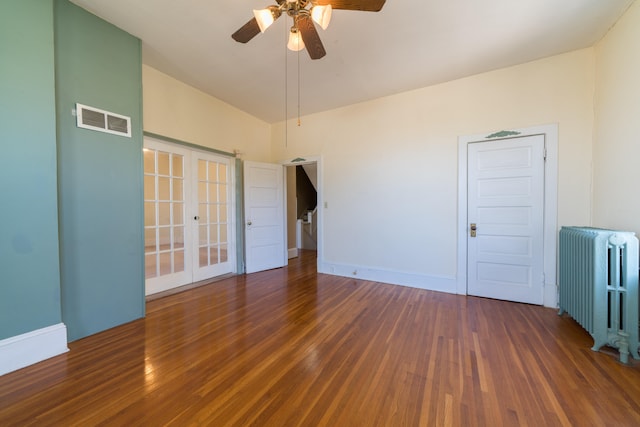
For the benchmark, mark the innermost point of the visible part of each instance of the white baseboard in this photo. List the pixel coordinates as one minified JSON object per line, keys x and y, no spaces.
{"x":33,"y":347}
{"x":550,"y":295}
{"x":293,"y":252}
{"x":422,"y":281}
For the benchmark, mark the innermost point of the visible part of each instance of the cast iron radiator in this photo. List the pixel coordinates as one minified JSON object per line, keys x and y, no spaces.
{"x":598,"y":285}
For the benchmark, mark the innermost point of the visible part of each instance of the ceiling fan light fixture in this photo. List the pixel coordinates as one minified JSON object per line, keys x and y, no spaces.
{"x":306,"y":15}
{"x":321,"y":15}
{"x":264,"y":17}
{"x":295,"y":40}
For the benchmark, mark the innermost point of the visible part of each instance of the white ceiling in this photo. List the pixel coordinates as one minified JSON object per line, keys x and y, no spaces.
{"x":408,"y":45}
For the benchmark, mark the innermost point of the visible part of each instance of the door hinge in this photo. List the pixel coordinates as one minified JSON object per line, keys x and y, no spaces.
{"x":544,"y":154}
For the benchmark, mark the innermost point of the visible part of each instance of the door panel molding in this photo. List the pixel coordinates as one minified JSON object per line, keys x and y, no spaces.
{"x":550,"y":133}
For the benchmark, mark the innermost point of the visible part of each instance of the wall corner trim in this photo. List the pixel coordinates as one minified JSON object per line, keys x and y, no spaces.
{"x":32,"y":347}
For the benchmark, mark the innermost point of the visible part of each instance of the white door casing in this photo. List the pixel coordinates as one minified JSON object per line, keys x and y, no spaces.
{"x":505,"y":213}
{"x":317,"y":160}
{"x":265,"y":231}
{"x":550,"y":134}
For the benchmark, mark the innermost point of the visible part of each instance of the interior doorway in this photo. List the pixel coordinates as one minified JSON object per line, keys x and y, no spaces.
{"x":303,"y":209}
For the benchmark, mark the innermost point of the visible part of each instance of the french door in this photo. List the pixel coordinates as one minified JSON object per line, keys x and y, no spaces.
{"x":188,"y":212}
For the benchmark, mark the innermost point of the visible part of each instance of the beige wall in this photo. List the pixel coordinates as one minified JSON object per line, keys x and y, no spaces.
{"x":176,"y":110}
{"x":390,"y":165}
{"x":616,"y":202}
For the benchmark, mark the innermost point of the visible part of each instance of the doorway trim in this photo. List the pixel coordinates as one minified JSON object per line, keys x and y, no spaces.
{"x":550,"y":133}
{"x":299,"y":161}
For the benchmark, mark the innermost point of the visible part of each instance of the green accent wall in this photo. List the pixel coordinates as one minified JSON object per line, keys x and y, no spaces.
{"x":99,"y":174}
{"x":29,"y":263}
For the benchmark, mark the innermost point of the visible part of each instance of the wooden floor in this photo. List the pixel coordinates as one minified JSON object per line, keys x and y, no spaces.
{"x":290,"y":347}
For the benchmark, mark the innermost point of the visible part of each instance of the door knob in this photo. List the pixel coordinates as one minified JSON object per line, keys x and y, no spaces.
{"x":196,"y":217}
{"x":473,"y":229}
{"x":248,"y":222}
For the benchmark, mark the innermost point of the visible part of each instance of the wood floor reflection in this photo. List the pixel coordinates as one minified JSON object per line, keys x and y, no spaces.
{"x":290,"y":347}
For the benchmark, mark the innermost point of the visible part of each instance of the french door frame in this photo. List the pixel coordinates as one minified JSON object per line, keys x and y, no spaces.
{"x":191,"y":224}
{"x":550,"y":132}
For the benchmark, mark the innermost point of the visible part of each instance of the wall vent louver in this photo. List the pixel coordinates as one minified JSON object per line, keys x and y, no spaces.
{"x":102,"y":121}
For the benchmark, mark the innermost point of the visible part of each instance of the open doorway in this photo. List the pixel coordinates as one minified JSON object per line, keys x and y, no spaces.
{"x":302,"y":208}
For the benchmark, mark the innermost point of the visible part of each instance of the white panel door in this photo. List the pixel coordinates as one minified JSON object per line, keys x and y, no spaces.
{"x":212,"y":232}
{"x":506,"y":208}
{"x":264,"y":216}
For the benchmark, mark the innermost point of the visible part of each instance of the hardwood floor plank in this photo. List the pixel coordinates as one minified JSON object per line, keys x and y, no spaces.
{"x":290,"y":347}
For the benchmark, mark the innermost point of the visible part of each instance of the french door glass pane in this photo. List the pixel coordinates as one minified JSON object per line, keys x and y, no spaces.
{"x":214,"y":255}
{"x":149,"y":184}
{"x":163,"y":163}
{"x":149,"y":161}
{"x":150,"y":265}
{"x":223,"y":193}
{"x":178,"y":238}
{"x":177,"y":190}
{"x":178,"y":213}
{"x":213,"y":213}
{"x":165,"y":263}
{"x":223,"y":253}
{"x":149,"y":214}
{"x":164,"y":238}
{"x":164,"y":188}
{"x":178,"y":258}
{"x":177,"y":165}
{"x":164,"y":213}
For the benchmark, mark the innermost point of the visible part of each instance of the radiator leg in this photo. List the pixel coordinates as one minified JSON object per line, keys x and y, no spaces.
{"x":623,"y":347}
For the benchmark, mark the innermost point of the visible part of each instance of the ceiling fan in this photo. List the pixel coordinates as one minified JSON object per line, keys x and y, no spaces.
{"x":304,"y":13}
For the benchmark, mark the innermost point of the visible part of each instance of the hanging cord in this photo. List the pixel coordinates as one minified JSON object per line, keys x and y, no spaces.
{"x":298,"y":85}
{"x":286,"y":95}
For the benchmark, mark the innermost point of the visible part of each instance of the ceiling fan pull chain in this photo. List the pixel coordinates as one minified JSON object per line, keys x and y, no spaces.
{"x":286,"y":92}
{"x":298,"y":88}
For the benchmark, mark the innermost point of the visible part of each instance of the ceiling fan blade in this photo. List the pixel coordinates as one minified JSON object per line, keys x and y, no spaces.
{"x":247,"y":31}
{"x":310,"y":37}
{"x":365,"y":5}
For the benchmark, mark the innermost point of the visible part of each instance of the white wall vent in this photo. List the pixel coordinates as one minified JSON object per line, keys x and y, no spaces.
{"x":102,"y":121}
